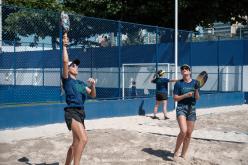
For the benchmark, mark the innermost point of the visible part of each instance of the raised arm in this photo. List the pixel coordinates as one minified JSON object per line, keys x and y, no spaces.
{"x":65,"y":56}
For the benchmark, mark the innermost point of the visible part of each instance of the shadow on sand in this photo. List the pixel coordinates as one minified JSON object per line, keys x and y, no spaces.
{"x":164,"y":154}
{"x":26,"y":161}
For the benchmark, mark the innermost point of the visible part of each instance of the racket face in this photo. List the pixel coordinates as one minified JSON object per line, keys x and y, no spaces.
{"x":65,"y":22}
{"x":202,"y":78}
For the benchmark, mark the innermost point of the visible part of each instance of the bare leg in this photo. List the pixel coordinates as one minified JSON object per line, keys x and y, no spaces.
{"x":155,"y":111}
{"x":69,"y":156}
{"x":190,"y":128}
{"x":165,"y":109}
{"x":183,"y":130}
{"x":79,"y":140}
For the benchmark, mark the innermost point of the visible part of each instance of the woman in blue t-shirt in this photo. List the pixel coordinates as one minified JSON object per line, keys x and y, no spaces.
{"x":161,"y":93}
{"x":185,"y":93}
{"x":76,"y":92}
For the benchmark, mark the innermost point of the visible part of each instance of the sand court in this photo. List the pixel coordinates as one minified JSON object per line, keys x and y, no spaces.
{"x":220,"y":137}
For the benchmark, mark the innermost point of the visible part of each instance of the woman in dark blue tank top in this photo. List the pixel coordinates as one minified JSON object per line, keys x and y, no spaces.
{"x":185,"y":93}
{"x":161,"y":92}
{"x":76,"y":92}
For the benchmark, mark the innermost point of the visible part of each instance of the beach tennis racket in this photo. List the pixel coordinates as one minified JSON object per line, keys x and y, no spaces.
{"x":65,"y":22}
{"x":202,"y":79}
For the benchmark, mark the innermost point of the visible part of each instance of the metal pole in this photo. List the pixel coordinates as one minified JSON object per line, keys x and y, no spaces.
{"x":157,"y":49}
{"x":176,"y":38}
{"x":123,"y":82}
{"x":91,"y":61}
{"x":218,"y":63}
{"x":176,"y":41}
{"x":119,"y":58}
{"x":190,"y":53}
{"x":61,"y":58}
{"x":242,"y":67}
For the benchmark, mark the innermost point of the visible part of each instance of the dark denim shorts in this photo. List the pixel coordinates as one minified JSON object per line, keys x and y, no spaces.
{"x":74,"y":113}
{"x":186,"y":110}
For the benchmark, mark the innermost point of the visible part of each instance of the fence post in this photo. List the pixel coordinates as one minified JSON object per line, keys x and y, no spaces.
{"x":119,"y":58}
{"x":157,"y":48}
{"x":14,"y":64}
{"x":91,"y":61}
{"x":218,"y":63}
{"x":242,"y":67}
{"x":61,"y":58}
{"x":190,"y":54}
{"x":14,"y":44}
{"x":43,"y":68}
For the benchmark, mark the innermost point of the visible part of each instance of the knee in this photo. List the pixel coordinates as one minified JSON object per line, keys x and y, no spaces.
{"x":83,"y":140}
{"x":72,"y":146}
{"x":183,"y":133}
{"x":188,"y":134}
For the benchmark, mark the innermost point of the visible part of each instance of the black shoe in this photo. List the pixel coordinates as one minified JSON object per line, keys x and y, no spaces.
{"x":155,"y":117}
{"x":166,"y":118}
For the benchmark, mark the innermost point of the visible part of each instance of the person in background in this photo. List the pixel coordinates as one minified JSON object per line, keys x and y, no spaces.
{"x":161,"y":93}
{"x":133,"y":89}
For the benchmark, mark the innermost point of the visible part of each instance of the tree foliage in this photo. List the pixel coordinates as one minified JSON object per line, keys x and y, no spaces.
{"x":19,"y":21}
{"x":27,"y":21}
{"x":205,"y":13}
{"x":161,"y":13}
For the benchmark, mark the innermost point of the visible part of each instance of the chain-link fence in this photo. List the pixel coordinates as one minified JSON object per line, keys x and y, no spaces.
{"x":121,"y":56}
{"x":221,"y":31}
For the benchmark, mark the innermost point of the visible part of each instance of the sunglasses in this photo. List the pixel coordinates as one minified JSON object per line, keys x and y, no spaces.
{"x":73,"y":65}
{"x":185,"y":68}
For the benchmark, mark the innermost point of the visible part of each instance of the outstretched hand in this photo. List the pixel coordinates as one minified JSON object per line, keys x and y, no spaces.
{"x":189,"y":94}
{"x":92,"y":82}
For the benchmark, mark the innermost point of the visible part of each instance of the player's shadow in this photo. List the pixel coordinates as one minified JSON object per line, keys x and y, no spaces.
{"x":164,"y":154}
{"x":26,"y":161}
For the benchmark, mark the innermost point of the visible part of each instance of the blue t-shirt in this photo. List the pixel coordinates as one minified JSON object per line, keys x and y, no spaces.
{"x":181,"y":87}
{"x":161,"y":85}
{"x":75,"y":92}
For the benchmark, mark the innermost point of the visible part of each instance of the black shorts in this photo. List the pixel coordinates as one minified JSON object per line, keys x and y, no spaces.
{"x":161,"y":96}
{"x":76,"y":113}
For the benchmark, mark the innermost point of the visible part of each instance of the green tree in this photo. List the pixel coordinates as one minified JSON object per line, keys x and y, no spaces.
{"x":159,"y":13}
{"x":39,"y":23}
{"x":25,"y":22}
{"x":205,"y":13}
